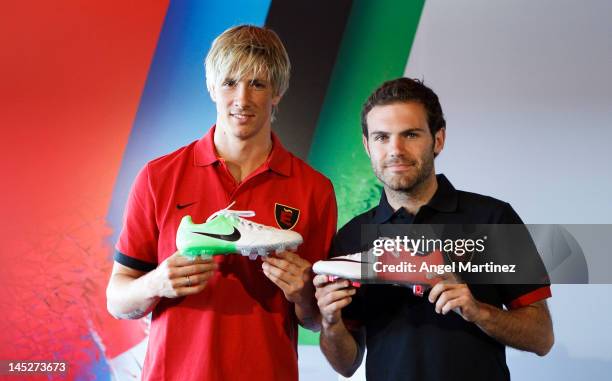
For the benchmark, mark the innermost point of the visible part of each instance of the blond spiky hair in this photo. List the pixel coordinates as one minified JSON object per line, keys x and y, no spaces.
{"x":248,"y":50}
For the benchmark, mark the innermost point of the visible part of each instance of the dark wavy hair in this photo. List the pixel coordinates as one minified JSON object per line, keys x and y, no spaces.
{"x":405,"y":90}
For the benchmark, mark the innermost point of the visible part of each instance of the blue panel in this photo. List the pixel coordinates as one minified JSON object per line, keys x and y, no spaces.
{"x":175,"y":108}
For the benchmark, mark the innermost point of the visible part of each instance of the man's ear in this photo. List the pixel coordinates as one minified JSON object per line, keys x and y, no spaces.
{"x":211,"y":92}
{"x":364,"y":139}
{"x":276,"y":100}
{"x":439,"y":140}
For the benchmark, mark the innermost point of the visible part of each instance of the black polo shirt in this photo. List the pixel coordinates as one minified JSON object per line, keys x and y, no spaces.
{"x":405,"y":338}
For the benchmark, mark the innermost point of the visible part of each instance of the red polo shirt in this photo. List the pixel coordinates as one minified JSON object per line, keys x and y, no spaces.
{"x":241,"y":325}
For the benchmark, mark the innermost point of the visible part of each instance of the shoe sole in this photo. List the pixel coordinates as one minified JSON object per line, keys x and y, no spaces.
{"x":246,"y":251}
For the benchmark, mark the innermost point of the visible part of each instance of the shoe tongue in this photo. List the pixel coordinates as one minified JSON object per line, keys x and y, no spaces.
{"x":221,"y":221}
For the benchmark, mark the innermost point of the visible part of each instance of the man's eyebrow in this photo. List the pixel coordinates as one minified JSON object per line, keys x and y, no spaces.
{"x":411,"y":129}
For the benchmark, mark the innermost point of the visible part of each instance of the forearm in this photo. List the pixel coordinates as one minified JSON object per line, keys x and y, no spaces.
{"x":528,"y":328}
{"x":308,"y":315}
{"x":130,"y":298}
{"x":340,"y":348}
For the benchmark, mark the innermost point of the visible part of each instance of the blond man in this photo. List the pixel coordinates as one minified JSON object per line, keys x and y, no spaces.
{"x":226,"y":317}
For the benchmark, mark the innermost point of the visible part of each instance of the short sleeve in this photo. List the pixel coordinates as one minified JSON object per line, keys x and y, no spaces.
{"x":137,"y":243}
{"x":534,"y":282}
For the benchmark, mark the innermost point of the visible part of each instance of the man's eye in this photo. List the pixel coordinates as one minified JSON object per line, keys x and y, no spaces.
{"x":258,"y":85}
{"x":380,"y":138}
{"x":228,"y":83}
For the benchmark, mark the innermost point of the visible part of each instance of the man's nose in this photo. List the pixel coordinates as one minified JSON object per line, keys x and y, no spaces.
{"x":396,"y":146}
{"x":242,"y":94}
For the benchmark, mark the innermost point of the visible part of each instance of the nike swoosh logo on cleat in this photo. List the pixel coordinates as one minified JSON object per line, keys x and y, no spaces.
{"x":235,"y":236}
{"x":183,"y":206}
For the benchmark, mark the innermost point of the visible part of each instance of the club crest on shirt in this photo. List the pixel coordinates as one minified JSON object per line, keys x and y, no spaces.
{"x":286,"y":216}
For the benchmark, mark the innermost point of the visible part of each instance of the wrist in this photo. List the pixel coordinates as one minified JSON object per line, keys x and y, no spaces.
{"x":307,"y":307}
{"x":331,"y":329}
{"x":305,"y":298}
{"x":484,"y":314}
{"x":149,"y":285}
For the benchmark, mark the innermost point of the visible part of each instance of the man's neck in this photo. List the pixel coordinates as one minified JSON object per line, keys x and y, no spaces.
{"x":415,"y":198}
{"x":243,"y":156}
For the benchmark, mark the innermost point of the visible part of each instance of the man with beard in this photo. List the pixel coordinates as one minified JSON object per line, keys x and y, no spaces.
{"x":411,"y":337}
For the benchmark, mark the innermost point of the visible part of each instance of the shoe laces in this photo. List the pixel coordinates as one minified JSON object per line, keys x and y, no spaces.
{"x":235,"y":215}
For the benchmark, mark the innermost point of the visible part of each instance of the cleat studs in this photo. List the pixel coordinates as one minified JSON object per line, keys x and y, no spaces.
{"x":261,"y":252}
{"x":293,"y":248}
{"x":252,"y":256}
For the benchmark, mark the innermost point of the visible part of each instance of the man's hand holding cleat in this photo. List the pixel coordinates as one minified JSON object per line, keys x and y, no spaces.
{"x":292,"y":274}
{"x":450,"y":294}
{"x":139,"y":292}
{"x":332,"y":297}
{"x":179,"y":276}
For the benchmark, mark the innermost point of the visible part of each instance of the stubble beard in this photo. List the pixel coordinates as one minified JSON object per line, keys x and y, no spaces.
{"x":407,"y":183}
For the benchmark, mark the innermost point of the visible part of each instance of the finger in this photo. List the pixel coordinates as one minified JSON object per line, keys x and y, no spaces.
{"x":340,"y":284}
{"x":333,"y":286}
{"x":454,"y":305}
{"x":320,"y":280}
{"x":200,"y":278}
{"x":438,"y":289}
{"x":178,"y":272}
{"x":323,"y":279}
{"x":182,"y":260}
{"x":328,"y":294}
{"x":332,"y":297}
{"x":202,"y":259}
{"x":286,"y":275}
{"x":278,"y":277}
{"x":282,"y":265}
{"x":191,"y":279}
{"x":191,"y":290}
{"x":202,"y":268}
{"x":292,"y":258}
{"x":445,"y":297}
{"x":336,"y":306}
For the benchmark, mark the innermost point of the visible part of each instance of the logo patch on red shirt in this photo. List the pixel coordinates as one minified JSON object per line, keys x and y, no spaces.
{"x":286,"y":216}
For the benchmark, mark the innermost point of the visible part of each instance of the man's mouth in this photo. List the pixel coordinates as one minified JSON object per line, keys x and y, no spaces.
{"x":399,"y":165}
{"x":241,"y":115}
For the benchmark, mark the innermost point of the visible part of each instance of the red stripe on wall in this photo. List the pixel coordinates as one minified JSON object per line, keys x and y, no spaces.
{"x":71,"y":74}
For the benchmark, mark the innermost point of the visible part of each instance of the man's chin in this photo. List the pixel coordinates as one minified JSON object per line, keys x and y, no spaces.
{"x":404,"y":185}
{"x":400,"y":179}
{"x":243,"y":131}
{"x":403,"y":188}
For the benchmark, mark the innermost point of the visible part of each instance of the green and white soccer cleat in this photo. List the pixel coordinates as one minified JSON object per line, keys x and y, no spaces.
{"x":226,"y":232}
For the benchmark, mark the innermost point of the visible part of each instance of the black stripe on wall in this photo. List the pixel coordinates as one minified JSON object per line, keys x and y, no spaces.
{"x":312,"y":32}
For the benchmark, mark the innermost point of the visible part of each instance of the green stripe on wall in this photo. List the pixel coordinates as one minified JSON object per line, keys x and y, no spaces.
{"x":375,"y":48}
